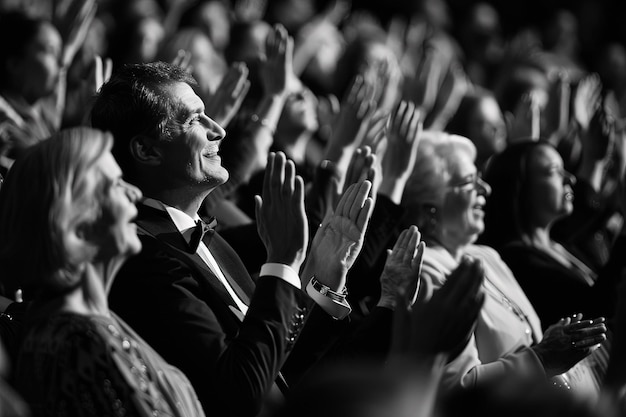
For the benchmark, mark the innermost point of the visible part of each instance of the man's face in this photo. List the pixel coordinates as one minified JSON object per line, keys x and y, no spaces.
{"x":191,"y":158}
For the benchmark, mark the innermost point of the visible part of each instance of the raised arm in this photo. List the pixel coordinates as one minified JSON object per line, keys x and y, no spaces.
{"x":335,"y":247}
{"x":224,"y":103}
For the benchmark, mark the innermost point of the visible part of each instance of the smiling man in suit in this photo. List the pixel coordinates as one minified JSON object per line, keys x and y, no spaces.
{"x":188,"y":293}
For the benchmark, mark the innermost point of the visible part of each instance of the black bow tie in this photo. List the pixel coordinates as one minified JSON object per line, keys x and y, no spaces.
{"x":200,"y":230}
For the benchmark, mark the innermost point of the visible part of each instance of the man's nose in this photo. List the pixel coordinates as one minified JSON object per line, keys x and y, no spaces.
{"x":214,"y":130}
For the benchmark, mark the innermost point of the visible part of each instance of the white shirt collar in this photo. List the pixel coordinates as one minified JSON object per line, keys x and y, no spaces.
{"x":182,"y":221}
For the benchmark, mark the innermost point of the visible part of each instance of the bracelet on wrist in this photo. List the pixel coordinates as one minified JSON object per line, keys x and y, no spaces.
{"x":332,"y":302}
{"x":327,"y":291}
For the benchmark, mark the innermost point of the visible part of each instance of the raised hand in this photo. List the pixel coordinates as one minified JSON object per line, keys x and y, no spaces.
{"x":401,"y":152}
{"x":599,"y":138}
{"x":568,"y":341}
{"x":223,"y":105}
{"x":73,"y":22}
{"x":363,"y":166}
{"x":327,"y":112}
{"x":339,"y":239}
{"x":376,"y":133}
{"x":587,"y":99}
{"x":443,"y":321}
{"x":277,"y":67}
{"x":401,"y":275}
{"x":424,"y":87}
{"x":557,"y":108}
{"x":526,"y":118}
{"x":100,"y":73}
{"x":385,"y":75}
{"x":281,"y":220}
{"x":355,"y":110}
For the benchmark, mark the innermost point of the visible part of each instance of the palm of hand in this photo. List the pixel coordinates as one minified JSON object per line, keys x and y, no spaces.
{"x":398,"y":271}
{"x":342,"y":240}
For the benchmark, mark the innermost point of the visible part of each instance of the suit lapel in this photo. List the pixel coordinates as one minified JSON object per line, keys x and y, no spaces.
{"x":231,"y":266}
{"x":156,"y":223}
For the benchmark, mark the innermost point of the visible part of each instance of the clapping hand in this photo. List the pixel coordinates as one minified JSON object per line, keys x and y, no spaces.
{"x":444,"y":321}
{"x":401,"y":275}
{"x":568,"y":341}
{"x":281,"y":220}
{"x":339,"y":239}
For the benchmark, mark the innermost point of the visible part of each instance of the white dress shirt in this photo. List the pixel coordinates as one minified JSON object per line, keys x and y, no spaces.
{"x":186,"y":225}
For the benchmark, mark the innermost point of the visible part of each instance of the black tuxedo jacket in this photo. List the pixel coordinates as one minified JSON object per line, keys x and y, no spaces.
{"x":173,"y":300}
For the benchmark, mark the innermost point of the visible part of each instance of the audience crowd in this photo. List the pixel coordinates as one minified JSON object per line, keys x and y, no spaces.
{"x":312,"y":208}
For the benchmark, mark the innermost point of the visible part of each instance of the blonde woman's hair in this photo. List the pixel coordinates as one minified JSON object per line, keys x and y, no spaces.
{"x":48,"y":195}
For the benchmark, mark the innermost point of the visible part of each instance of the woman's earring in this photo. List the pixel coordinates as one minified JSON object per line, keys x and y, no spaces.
{"x":432,"y":217}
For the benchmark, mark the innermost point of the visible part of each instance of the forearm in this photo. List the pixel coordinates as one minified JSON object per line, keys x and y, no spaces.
{"x":393,"y":187}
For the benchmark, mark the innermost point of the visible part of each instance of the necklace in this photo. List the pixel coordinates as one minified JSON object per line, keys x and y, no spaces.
{"x":501,"y":298}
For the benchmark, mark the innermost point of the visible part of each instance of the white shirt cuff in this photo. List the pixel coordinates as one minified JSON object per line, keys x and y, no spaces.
{"x":282,"y":271}
{"x":338,"y":310}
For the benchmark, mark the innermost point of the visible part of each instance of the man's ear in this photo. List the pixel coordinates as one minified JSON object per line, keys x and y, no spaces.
{"x":145,"y":150}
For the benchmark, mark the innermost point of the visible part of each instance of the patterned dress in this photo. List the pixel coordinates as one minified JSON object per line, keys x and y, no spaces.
{"x":79,"y":365}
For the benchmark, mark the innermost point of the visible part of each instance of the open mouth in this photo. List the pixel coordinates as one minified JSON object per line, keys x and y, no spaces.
{"x":569,"y":196}
{"x":210,"y":153}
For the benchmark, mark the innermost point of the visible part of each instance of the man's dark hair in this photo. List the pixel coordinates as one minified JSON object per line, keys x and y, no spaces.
{"x":133,"y":103}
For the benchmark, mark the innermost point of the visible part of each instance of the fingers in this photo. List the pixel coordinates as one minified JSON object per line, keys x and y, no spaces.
{"x":360,"y":165}
{"x":589,"y":342}
{"x":465,"y":281}
{"x":182,"y":59}
{"x":357,"y":84}
{"x":288,"y":185}
{"x":359,"y":200}
{"x":268,"y":174}
{"x":364,"y":214}
{"x":242,"y":84}
{"x":258,"y":205}
{"x":298,"y":194}
{"x":406,"y":120}
{"x":577,"y":324}
{"x":402,"y":241}
{"x":278,"y":43}
{"x":411,"y":247}
{"x":343,"y":201}
{"x":416,"y":264}
{"x":107,"y":71}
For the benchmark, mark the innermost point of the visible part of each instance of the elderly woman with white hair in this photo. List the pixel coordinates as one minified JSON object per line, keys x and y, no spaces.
{"x":445,"y":197}
{"x":66,"y":221}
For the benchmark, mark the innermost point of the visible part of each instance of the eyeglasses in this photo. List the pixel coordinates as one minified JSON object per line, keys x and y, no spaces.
{"x":471,"y":183}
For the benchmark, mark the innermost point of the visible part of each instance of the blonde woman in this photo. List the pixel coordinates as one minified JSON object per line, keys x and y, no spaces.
{"x":66,"y":221}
